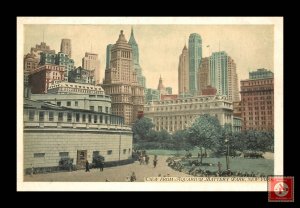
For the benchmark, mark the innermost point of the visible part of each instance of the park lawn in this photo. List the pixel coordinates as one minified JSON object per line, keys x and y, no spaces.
{"x":172,"y":152}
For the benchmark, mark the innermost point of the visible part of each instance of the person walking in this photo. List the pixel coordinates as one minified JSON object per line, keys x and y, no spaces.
{"x":132,"y":177}
{"x":87,"y":169}
{"x":155,"y":161}
{"x":101,"y":166}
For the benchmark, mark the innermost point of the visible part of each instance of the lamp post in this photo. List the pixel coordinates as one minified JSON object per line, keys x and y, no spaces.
{"x":227,"y":153}
{"x":120,"y":144}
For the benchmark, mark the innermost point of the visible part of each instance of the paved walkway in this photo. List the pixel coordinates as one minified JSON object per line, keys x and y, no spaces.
{"x":113,"y":174}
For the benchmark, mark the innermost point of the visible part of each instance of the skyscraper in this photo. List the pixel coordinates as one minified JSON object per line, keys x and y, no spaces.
{"x":183,"y":72}
{"x":121,"y":84}
{"x":223,"y":75}
{"x":195,"y":55}
{"x":91,"y":62}
{"x":65,"y":47}
{"x":203,"y":75}
{"x":108,"y":55}
{"x":136,"y":65}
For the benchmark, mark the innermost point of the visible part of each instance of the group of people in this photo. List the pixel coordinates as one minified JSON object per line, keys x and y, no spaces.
{"x":144,"y":158}
{"x":87,"y":166}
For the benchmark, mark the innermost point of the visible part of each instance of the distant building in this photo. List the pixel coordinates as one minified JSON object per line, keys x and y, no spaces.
{"x":121,"y":82}
{"x":60,"y":59}
{"x":151,"y":95}
{"x":183,"y":72}
{"x":161,"y":88}
{"x":195,"y":56}
{"x":41,"y":78}
{"x":108,"y":55}
{"x":223,"y":75}
{"x":81,"y":75}
{"x":30,"y":63}
{"x":66,"y":47}
{"x":91,"y":62}
{"x":60,"y":87}
{"x":169,"y":90}
{"x":203,"y":75}
{"x":38,"y":49}
{"x":237,"y":109}
{"x":179,"y":114}
{"x":136,"y":64}
{"x":209,"y":90}
{"x":52,"y":133}
{"x":261,"y":74}
{"x":169,"y":97}
{"x":237,"y":124}
{"x":257,"y":102}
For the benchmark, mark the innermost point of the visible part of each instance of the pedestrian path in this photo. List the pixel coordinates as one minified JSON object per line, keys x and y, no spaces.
{"x":113,"y":174}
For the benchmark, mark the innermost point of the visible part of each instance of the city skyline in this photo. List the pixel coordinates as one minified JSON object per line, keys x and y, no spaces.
{"x":160,"y":46}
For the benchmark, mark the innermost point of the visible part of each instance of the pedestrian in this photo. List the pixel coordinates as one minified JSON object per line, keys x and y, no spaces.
{"x":32,"y":170}
{"x":155,"y":161}
{"x":87,"y":169}
{"x":219,"y":167}
{"x":133,"y":177}
{"x":101,"y":166}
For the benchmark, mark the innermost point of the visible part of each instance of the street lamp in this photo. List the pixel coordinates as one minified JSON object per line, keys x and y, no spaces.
{"x":227,"y":153}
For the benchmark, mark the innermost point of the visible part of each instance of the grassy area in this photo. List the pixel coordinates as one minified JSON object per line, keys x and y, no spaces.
{"x":172,"y":152}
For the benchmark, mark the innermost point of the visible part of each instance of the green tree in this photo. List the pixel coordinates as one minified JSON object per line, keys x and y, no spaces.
{"x":205,"y":132}
{"x":142,"y":128}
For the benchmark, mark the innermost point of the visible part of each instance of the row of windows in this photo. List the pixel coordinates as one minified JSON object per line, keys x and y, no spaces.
{"x":84,"y":117}
{"x":66,"y":154}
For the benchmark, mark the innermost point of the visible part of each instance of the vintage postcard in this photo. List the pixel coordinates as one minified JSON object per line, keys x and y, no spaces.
{"x":149,"y":103}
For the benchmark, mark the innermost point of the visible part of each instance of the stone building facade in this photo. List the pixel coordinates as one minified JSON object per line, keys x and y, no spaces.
{"x":257,"y":103}
{"x":179,"y":114}
{"x":52,"y":133}
{"x":41,"y":78}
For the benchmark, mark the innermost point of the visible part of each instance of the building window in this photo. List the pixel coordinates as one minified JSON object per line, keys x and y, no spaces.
{"x":83,"y":117}
{"x":77,"y":117}
{"x":41,"y":115}
{"x":101,"y":119}
{"x":124,"y":151}
{"x":129,"y":151}
{"x":64,"y":154}
{"x":58,"y":103}
{"x":31,"y":115}
{"x":90,"y":118}
{"x":109,"y":152}
{"x":51,"y":116}
{"x":69,"y":117}
{"x":95,"y":118}
{"x":76,"y":103}
{"x":60,"y":116}
{"x":106,"y":119}
{"x":99,"y":108}
{"x":106,"y":109}
{"x":39,"y":155}
{"x":96,"y":153}
{"x":92,"y":108}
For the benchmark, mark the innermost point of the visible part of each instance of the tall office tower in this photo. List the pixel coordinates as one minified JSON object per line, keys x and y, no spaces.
{"x":108,"y":54}
{"x":136,"y":65}
{"x":203,"y":75}
{"x":121,"y":84}
{"x":195,"y":55}
{"x":66,"y":47}
{"x":91,"y":62}
{"x":223,"y":75}
{"x":183,"y":72}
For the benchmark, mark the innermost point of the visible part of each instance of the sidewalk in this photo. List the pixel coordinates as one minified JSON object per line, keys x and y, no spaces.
{"x":113,"y":174}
